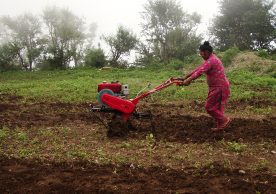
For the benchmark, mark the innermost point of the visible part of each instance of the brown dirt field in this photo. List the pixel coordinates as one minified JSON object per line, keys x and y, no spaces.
{"x":172,"y":123}
{"x":19,"y":176}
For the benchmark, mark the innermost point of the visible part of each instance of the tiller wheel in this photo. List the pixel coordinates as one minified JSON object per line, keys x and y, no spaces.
{"x":113,"y":100}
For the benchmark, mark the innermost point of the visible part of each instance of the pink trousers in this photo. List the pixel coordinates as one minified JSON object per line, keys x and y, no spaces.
{"x":216,"y":101}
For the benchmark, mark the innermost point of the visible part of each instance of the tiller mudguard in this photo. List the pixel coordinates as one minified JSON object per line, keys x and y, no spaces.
{"x":123,"y":109}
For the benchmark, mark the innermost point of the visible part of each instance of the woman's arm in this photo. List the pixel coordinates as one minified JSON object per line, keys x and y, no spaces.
{"x":188,"y":75}
{"x":201,"y":69}
{"x":197,"y":73}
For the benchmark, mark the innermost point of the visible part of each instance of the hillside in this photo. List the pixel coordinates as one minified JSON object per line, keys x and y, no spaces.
{"x":51,"y":142}
{"x":250,"y":61}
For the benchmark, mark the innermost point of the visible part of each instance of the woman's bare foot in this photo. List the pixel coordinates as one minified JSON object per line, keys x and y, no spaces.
{"x":222,"y":126}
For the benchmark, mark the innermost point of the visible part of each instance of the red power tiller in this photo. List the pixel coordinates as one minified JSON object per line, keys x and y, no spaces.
{"x":112,"y":99}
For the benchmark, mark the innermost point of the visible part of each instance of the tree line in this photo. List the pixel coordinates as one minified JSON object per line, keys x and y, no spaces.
{"x":60,"y":39}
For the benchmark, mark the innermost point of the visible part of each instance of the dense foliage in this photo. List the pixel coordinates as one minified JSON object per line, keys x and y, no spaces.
{"x":247,"y":24}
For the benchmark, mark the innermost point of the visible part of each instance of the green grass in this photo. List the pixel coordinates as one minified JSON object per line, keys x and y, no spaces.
{"x":21,"y":136}
{"x":3,"y":134}
{"x":80,"y":85}
{"x":233,"y":146}
{"x":247,"y":78}
{"x":228,"y":55}
{"x":74,"y":85}
{"x":24,"y":153}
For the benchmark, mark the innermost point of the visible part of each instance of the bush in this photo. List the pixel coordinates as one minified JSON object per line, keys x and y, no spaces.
{"x":155,"y":65}
{"x":47,"y":65}
{"x":176,"y":64}
{"x":8,"y":58}
{"x":193,"y":59}
{"x":145,"y":60}
{"x":95,"y":58}
{"x":271,"y":71}
{"x":229,"y":55}
{"x":273,"y":57}
{"x":263,"y":54}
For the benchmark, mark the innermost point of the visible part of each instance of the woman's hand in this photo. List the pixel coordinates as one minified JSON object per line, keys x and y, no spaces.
{"x":186,"y":82}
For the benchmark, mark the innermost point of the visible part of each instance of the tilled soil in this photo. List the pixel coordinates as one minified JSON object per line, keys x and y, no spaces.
{"x":19,"y":176}
{"x":171,"y":123}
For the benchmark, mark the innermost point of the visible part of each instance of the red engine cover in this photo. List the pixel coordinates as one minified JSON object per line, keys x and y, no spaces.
{"x":115,"y":87}
{"x":117,"y":103}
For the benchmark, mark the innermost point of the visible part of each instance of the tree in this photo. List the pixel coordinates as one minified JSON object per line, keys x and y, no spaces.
{"x":163,"y":17}
{"x":248,"y":24}
{"x":8,"y":57}
{"x":145,"y":55}
{"x":120,"y":44}
{"x":95,"y":58}
{"x":181,"y":43}
{"x":65,"y":35}
{"x":24,"y":33}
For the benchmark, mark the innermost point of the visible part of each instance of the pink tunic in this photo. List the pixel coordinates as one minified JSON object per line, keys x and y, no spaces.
{"x":214,"y":71}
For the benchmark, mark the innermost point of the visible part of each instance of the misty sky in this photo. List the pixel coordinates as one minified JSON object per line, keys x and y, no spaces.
{"x":108,"y":14}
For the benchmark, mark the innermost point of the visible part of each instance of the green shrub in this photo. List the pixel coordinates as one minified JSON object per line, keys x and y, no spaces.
{"x":193,"y":59}
{"x":273,"y":57}
{"x":47,"y":65}
{"x":219,"y":54}
{"x":95,"y":58}
{"x":271,"y":71}
{"x":263,"y":54}
{"x":176,"y":64}
{"x":229,"y":55}
{"x":273,"y":74}
{"x":8,"y":57}
{"x":154,"y":65}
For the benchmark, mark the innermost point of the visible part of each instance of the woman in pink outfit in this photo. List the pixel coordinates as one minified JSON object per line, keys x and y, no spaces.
{"x":219,"y":87}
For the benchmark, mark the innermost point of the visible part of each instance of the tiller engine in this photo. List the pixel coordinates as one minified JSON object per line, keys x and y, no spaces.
{"x":112,"y":98}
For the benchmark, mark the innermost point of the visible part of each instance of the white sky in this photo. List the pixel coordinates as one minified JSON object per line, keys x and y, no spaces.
{"x":108,"y":14}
